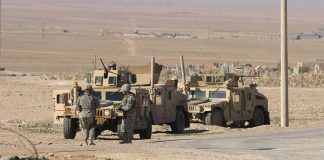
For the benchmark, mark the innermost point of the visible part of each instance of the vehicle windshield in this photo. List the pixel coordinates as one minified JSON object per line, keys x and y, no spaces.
{"x":197,"y":94}
{"x":97,"y":95}
{"x":217,"y":94}
{"x":114,"y":96}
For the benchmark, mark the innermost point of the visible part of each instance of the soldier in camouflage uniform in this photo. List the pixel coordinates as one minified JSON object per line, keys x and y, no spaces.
{"x":87,"y":105}
{"x":128,"y":108}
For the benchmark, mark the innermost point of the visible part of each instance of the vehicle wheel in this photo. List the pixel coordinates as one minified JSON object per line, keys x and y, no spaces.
{"x":98,"y":132}
{"x":119,"y":128}
{"x":147,"y":132}
{"x":215,"y":118}
{"x":258,"y":118}
{"x":180,"y":122}
{"x":70,"y":127}
{"x":266,"y":118}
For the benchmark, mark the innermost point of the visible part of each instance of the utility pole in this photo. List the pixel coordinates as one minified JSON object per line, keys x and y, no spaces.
{"x":284,"y":66}
{"x":0,"y":27}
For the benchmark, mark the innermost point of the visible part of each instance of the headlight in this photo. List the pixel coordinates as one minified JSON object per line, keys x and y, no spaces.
{"x":70,"y":102}
{"x":199,"y":108}
{"x":107,"y":113}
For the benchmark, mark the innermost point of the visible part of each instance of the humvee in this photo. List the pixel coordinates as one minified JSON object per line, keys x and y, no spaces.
{"x":217,"y":99}
{"x":155,"y":103}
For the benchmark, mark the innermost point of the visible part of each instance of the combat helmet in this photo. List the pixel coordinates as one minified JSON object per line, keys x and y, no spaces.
{"x":89,"y":87}
{"x":112,"y":65}
{"x":126,"y":88}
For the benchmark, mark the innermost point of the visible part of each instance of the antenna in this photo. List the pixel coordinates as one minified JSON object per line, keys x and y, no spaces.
{"x":95,"y":62}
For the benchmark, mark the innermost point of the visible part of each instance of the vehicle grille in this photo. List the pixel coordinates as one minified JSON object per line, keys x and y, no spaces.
{"x":100,"y":113}
{"x":192,"y":109}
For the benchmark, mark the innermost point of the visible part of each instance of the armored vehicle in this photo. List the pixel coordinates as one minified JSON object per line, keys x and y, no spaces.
{"x":155,"y":103}
{"x":218,"y":99}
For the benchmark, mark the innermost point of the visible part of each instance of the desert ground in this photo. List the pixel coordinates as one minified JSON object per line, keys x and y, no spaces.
{"x":44,"y":38}
{"x":26,"y":107}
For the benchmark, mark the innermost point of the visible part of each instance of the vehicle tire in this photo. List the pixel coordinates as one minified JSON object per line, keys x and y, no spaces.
{"x":147,"y":132}
{"x":266,"y":118}
{"x":70,"y":127}
{"x":97,"y":132}
{"x":119,"y":129}
{"x":179,"y":124}
{"x":216,"y":117}
{"x":258,"y":118}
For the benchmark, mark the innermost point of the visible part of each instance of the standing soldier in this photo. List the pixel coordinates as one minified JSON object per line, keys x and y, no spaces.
{"x":128,"y":108}
{"x":87,"y":105}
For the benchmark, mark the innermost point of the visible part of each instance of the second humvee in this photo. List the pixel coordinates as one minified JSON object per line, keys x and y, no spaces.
{"x":218,"y":99}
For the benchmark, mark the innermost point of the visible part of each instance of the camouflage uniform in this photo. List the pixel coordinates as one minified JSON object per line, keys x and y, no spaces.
{"x":87,"y":105}
{"x":128,"y":122}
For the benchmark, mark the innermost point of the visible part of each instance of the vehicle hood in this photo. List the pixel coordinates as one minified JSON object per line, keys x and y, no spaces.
{"x":197,"y":101}
{"x":205,"y":102}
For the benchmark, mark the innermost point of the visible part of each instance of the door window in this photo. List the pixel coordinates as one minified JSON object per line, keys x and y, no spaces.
{"x":236,"y":97}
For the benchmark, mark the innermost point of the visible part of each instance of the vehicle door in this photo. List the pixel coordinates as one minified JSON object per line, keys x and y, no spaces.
{"x":170,"y":108}
{"x":142,"y":97}
{"x":248,"y":104}
{"x":159,"y":109}
{"x":236,"y":108}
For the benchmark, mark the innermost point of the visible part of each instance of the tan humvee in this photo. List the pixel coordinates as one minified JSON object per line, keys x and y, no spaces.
{"x":217,"y":99}
{"x":156,"y":104}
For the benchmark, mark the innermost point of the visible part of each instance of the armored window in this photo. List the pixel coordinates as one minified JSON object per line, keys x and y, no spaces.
{"x":169,"y":95}
{"x":97,"y":95}
{"x":217,"y":94}
{"x":249,"y":96}
{"x":98,"y":80}
{"x":198,"y":94}
{"x":114,"y":96}
{"x":122,"y":76}
{"x":58,"y":99}
{"x":112,"y":81}
{"x":209,"y":79}
{"x":219,"y":79}
{"x":236,"y":97}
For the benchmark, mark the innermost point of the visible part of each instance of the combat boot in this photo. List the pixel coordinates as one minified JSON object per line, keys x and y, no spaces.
{"x":125,"y":142}
{"x":91,"y":142}
{"x":85,"y":142}
{"x":125,"y":139}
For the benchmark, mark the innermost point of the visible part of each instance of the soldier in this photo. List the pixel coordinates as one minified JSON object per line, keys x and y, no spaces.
{"x":87,"y":105}
{"x":128,"y":108}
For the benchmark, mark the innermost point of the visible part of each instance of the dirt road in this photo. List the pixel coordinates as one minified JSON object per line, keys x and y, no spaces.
{"x":294,"y":144}
{"x":267,"y":142}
